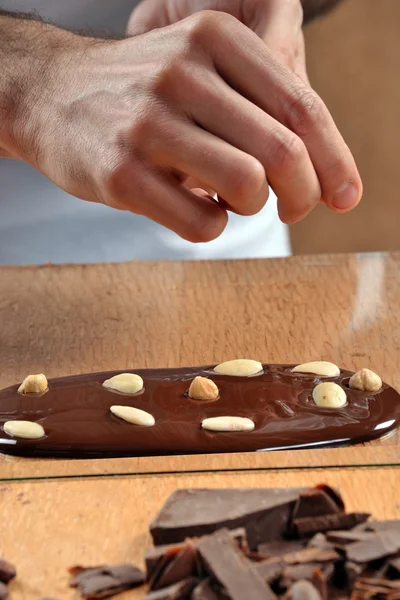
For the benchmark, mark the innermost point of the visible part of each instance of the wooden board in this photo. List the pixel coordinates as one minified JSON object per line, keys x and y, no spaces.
{"x":74,"y":319}
{"x":48,"y":526}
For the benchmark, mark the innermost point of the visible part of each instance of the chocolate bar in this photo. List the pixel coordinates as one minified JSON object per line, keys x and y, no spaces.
{"x":277,"y":403}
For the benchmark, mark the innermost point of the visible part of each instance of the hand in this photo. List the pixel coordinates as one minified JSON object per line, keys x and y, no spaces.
{"x":277,"y":22}
{"x":124,"y":122}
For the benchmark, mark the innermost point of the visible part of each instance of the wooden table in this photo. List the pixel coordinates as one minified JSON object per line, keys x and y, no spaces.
{"x":65,"y":320}
{"x":74,"y":319}
{"x":50,"y":525}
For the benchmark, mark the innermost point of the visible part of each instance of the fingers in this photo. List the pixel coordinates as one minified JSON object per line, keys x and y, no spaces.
{"x":243,"y":125}
{"x":237,"y":177}
{"x":249,"y":67}
{"x":196,"y":217}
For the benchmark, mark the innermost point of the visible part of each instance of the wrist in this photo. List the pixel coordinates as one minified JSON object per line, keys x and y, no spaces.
{"x":31,"y":53}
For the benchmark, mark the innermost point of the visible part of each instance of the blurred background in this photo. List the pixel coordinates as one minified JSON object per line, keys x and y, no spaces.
{"x":354,"y":64}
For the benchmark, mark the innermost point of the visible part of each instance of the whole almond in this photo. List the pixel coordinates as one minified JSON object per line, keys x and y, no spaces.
{"x":366,"y":381}
{"x":34,"y":384}
{"x":203,"y":388}
{"x":240,"y":367}
{"x":329,"y":395}
{"x":228,"y":424}
{"x":127,"y":383}
{"x":322,"y":368}
{"x":136,"y":416}
{"x":24,"y":429}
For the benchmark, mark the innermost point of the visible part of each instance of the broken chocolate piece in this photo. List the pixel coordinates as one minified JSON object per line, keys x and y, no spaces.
{"x":182,"y":566}
{"x":7,"y":571}
{"x":280,"y":547}
{"x":310,"y":525}
{"x":204,"y":591}
{"x":269,"y":571}
{"x":225,"y":562}
{"x":264,"y":513}
{"x":316,"y":502}
{"x":105,"y":581}
{"x":177,"y":591}
{"x":343,"y":538}
{"x":304,"y":590}
{"x":378,"y":545}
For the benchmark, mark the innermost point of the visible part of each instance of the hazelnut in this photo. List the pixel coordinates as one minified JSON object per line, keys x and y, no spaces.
{"x":329,"y":395}
{"x":34,"y":384}
{"x":366,"y":381}
{"x":203,"y":388}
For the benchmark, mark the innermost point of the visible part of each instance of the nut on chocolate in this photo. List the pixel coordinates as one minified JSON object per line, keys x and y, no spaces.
{"x":240,"y":367}
{"x":228,"y":424}
{"x":28,"y":430}
{"x":203,"y":388}
{"x":136,"y":416}
{"x":366,"y":381}
{"x":127,"y":383}
{"x":322,"y":368}
{"x":329,"y":395}
{"x":34,"y":384}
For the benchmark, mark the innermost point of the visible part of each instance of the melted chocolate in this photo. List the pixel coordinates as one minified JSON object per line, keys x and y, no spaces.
{"x":78,"y":423}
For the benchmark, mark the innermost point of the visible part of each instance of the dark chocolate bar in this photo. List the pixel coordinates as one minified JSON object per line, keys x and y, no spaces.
{"x":75,"y":414}
{"x":192,"y":513}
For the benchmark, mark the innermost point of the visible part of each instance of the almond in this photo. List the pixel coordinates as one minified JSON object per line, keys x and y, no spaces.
{"x":203,"y":388}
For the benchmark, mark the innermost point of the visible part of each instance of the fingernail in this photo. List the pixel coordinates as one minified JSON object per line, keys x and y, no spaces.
{"x":346,"y":196}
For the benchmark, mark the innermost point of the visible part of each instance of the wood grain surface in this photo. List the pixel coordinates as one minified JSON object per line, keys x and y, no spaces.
{"x":75,"y":319}
{"x":49,"y":526}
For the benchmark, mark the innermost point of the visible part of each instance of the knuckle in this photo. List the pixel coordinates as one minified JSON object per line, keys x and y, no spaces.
{"x":207,"y":23}
{"x":246,"y":181}
{"x":306,"y":111}
{"x":286,"y":152}
{"x":164,"y":78}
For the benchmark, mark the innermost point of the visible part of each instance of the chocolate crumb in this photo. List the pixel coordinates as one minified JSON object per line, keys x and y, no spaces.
{"x":7,"y":571}
{"x":105,"y":581}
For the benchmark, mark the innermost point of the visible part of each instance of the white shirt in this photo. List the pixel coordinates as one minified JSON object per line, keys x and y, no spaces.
{"x":41,"y":223}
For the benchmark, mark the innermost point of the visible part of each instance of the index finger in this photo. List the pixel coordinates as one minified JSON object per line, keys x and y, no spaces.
{"x":246,"y":64}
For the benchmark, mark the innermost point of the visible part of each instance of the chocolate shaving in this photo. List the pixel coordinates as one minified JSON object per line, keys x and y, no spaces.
{"x":105,"y":581}
{"x":309,"y":555}
{"x":182,"y":566}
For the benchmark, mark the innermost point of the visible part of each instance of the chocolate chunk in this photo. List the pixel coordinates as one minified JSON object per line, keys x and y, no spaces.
{"x":343,"y":538}
{"x":105,"y":581}
{"x":280,"y":547}
{"x":310,"y":525}
{"x":157,"y":558}
{"x":7,"y":571}
{"x":3,"y":591}
{"x":377,"y":546}
{"x":225,"y":563}
{"x":204,"y":591}
{"x":182,"y":566}
{"x":304,"y":590}
{"x":264,"y":513}
{"x":316,"y":502}
{"x":177,"y":591}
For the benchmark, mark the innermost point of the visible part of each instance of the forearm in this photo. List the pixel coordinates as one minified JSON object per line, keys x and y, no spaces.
{"x":27,"y":47}
{"x":314,"y":8}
